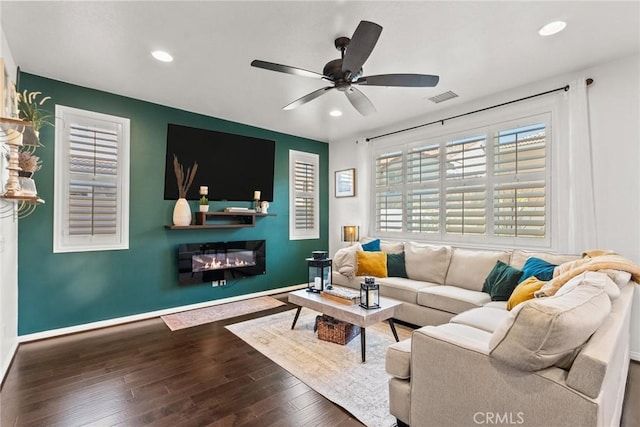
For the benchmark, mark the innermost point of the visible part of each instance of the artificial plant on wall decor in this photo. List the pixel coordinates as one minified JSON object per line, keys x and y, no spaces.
{"x":182,"y":211}
{"x":29,"y":109}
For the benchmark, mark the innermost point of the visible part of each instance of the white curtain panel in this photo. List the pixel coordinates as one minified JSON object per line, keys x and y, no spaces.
{"x":581,"y":227}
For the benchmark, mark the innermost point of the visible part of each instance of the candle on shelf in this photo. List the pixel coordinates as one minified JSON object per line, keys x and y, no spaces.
{"x":256,"y":195}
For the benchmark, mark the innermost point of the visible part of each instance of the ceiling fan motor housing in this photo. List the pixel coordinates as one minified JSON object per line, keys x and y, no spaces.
{"x":333,"y":69}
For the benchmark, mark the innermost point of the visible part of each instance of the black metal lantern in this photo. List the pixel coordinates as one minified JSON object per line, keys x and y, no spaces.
{"x":320,"y":268}
{"x":369,"y":293}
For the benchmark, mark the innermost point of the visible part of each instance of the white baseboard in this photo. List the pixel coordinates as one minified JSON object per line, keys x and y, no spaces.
{"x":143,"y":316}
{"x":7,"y":362}
{"x":635,"y":356}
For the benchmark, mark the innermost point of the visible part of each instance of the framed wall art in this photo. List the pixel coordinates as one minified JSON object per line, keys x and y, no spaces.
{"x":345,"y":182}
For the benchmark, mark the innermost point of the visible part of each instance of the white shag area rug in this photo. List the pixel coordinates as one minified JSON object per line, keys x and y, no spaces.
{"x":333,"y":370}
{"x":199,"y":316}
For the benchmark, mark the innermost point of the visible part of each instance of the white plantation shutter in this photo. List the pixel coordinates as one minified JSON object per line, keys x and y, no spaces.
{"x":466,"y":210}
{"x":91,"y":200}
{"x":465,"y":183}
{"x":519,"y":195}
{"x":423,"y":189}
{"x":304,"y":169}
{"x":389,"y":170}
{"x":519,"y":209}
{"x":93,"y":187}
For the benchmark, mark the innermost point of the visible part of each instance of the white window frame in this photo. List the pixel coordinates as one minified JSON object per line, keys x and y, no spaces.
{"x":62,"y":240}
{"x":313,"y":159}
{"x":489,"y":122}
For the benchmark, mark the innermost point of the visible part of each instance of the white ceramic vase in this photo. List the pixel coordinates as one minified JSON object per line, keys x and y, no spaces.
{"x":182,"y":213}
{"x":204,"y":208}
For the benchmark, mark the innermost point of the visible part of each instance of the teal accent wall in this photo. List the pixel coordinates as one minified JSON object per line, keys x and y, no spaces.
{"x":61,"y":290}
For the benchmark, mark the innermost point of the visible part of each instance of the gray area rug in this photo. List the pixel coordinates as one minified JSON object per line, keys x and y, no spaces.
{"x":333,"y":370}
{"x":199,"y":316}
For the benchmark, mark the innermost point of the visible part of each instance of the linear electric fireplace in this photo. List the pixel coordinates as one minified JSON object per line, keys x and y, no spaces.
{"x":213,"y":261}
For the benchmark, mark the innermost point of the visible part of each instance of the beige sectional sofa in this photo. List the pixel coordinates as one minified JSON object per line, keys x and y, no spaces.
{"x":555,"y":361}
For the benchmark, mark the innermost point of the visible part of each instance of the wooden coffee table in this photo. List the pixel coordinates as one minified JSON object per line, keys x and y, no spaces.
{"x":353,"y":314}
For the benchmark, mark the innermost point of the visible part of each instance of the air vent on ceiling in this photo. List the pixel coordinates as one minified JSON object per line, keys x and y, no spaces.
{"x":443,"y":97}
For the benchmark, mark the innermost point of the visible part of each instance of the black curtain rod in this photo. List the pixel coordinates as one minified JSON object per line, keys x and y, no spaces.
{"x":441,"y":121}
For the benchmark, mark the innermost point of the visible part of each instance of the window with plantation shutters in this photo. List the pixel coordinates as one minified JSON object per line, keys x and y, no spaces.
{"x":484,"y":185}
{"x":92,"y":181}
{"x":304,"y":195}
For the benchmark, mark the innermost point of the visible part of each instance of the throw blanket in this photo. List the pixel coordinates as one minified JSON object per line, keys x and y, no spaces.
{"x":565,"y":272}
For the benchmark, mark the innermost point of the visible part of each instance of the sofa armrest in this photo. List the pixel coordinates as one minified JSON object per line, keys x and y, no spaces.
{"x":454,"y":381}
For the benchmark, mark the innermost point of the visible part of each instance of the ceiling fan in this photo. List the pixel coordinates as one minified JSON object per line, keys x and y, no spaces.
{"x":346,"y":72}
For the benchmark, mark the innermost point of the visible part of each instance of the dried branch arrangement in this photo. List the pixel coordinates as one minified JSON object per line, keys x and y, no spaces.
{"x":184,"y":180}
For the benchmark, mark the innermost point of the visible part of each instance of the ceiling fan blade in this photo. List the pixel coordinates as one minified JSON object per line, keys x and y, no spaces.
{"x":308,"y":97}
{"x":286,"y":69}
{"x":402,"y":80}
{"x":360,"y":101}
{"x":361,"y":45}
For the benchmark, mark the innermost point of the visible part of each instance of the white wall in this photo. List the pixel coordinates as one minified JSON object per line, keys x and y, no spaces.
{"x":8,"y":259}
{"x":614,"y":103}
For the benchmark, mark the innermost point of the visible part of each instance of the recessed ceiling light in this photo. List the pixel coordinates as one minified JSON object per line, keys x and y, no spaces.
{"x":161,"y":55}
{"x":552,"y":28}
{"x":335,"y":113}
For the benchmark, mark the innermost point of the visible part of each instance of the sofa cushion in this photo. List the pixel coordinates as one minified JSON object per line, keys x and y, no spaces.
{"x":428,"y":263}
{"x":398,"y":359}
{"x":469,"y":267}
{"x":550,"y":331}
{"x":371,"y":264}
{"x":519,"y":257}
{"x":395,"y":265}
{"x":372,"y":246}
{"x":524,"y":291}
{"x":539,"y":268}
{"x":502,"y":305}
{"x":485,"y":318}
{"x":402,"y":289}
{"x":501,"y":281}
{"x":344,"y":260}
{"x":451,"y":299}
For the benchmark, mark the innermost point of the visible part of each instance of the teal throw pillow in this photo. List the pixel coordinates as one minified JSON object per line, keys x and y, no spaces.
{"x":501,"y":281}
{"x":372,"y":246}
{"x":395,"y":265}
{"x":541,"y":269}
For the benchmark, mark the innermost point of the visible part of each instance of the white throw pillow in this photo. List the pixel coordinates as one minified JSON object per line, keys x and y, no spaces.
{"x":469,"y":267}
{"x":544,"y":332}
{"x":345,"y":261}
{"x":428,"y":263}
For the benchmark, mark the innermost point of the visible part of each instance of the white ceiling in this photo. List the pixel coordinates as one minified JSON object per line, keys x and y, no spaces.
{"x":478,"y":48}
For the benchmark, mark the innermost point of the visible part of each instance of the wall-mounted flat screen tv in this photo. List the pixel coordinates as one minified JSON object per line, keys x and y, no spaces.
{"x":232,"y":166}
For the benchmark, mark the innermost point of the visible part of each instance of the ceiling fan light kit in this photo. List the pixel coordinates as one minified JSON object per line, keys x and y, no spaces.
{"x":346,"y":71}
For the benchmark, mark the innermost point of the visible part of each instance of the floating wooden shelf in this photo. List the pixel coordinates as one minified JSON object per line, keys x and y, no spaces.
{"x":221,"y":220}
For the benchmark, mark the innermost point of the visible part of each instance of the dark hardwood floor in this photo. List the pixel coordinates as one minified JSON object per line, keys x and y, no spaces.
{"x":144,"y":374}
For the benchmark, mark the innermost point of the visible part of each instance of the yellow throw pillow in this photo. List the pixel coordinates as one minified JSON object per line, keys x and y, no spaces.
{"x":524,"y":291}
{"x":372,"y":264}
